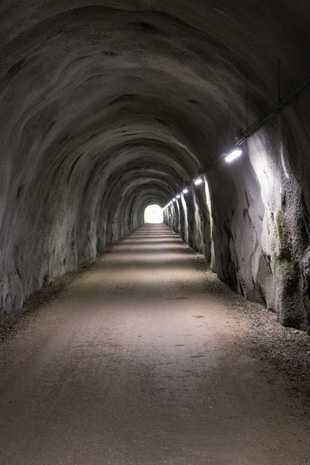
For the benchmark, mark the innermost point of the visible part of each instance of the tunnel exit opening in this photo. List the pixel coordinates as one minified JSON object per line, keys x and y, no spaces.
{"x":153,"y":214}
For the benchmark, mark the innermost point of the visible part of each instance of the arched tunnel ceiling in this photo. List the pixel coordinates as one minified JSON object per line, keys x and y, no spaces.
{"x":122,"y":98}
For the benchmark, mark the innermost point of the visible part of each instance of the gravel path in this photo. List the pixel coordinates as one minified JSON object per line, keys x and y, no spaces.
{"x":147,"y":358}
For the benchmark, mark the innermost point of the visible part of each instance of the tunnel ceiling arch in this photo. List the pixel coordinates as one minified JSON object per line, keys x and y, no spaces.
{"x":100,"y":75}
{"x":108,"y":106}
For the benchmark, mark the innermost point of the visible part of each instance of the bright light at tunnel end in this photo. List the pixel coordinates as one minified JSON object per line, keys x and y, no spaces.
{"x":153,"y":214}
{"x":233,"y":155}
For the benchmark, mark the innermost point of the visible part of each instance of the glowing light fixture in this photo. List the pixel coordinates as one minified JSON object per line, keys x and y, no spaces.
{"x":174,"y":199}
{"x":233,"y":155}
{"x":185,"y":191}
{"x":178,"y":196}
{"x":198,"y":181}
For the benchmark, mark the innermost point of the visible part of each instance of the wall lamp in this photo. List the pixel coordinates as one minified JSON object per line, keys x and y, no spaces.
{"x":198,"y":181}
{"x":233,"y":155}
{"x":185,"y":191}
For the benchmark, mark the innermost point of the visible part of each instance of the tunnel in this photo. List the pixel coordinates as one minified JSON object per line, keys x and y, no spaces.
{"x":108,"y":107}
{"x":201,"y":108}
{"x":111,"y":106}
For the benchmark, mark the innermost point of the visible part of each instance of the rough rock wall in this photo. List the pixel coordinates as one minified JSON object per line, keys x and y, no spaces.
{"x":260,"y":229}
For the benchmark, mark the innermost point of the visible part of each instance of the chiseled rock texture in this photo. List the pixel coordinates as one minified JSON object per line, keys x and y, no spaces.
{"x":108,"y":106}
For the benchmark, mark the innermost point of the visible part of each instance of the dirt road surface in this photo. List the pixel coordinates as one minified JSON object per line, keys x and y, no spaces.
{"x":143,"y":360}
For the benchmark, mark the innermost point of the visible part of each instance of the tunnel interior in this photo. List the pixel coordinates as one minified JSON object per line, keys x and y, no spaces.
{"x":111,"y":106}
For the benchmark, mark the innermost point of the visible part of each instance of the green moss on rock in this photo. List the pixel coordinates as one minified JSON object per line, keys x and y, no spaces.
{"x":288,"y":272}
{"x":283,"y":235}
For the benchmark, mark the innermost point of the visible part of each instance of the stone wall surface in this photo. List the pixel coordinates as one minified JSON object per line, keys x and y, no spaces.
{"x":109,"y":106}
{"x":260,"y":225}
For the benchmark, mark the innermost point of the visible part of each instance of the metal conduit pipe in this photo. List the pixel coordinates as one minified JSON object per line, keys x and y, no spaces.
{"x":273,"y":111}
{"x":258,"y":124}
